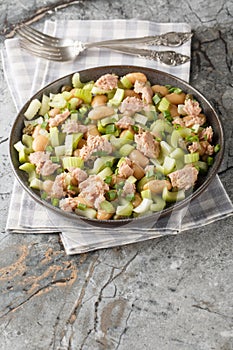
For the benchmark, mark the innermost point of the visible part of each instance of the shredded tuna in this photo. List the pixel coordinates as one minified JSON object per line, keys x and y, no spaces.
{"x":144,"y":89}
{"x":59,"y":186}
{"x":93,"y":190}
{"x":125,"y":122}
{"x":206,"y":134}
{"x":184,"y":178}
{"x":131,"y":105}
{"x":125,"y":169}
{"x":190,"y":120}
{"x":128,"y":189}
{"x":38,"y":157}
{"x":72,"y":126}
{"x":192,"y":107}
{"x":44,"y":165}
{"x":47,"y":168}
{"x":78,"y":175}
{"x":95,"y":144}
{"x":147,"y":144}
{"x":107,"y":82}
{"x":68,"y":204}
{"x":59,"y":118}
{"x":179,"y":121}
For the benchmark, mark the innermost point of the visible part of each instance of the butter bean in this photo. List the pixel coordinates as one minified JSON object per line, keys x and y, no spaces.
{"x":132,"y":77}
{"x":99,"y":100}
{"x":40,"y":143}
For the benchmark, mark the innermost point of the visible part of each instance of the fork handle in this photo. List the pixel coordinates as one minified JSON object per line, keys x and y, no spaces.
{"x":170,"y":39}
{"x":170,"y":58}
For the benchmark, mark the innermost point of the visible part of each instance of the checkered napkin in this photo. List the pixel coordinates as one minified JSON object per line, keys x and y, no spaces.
{"x":26,"y":74}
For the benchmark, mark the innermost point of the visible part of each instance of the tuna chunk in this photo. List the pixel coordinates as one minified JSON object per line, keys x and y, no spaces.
{"x":128,"y":189}
{"x":38,"y":157}
{"x":59,"y":118}
{"x":77,"y":176}
{"x":125,"y":122}
{"x":125,"y":169}
{"x":93,"y":190}
{"x":44,"y":165}
{"x":59,"y":186}
{"x":107,"y":82}
{"x":131,"y":105}
{"x":184,"y":178}
{"x":144,"y":89}
{"x":47,"y":168}
{"x":95,"y":144}
{"x":192,"y":107}
{"x":206,"y":134}
{"x":72,"y":126}
{"x":147,"y":144}
{"x":190,"y":120}
{"x":68,"y":204}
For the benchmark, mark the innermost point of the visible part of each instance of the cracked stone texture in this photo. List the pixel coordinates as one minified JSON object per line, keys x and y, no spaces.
{"x":172,"y":293}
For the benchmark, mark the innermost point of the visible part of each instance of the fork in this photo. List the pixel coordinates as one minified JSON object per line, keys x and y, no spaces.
{"x":170,"y":39}
{"x":69,"y":53}
{"x":57,"y":49}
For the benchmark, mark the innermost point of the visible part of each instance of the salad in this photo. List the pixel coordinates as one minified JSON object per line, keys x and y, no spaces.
{"x":115,"y":148}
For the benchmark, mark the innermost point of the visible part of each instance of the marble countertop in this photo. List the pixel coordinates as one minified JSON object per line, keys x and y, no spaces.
{"x":172,"y":293}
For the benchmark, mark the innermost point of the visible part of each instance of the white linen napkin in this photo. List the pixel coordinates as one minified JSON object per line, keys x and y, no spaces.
{"x":26,"y":74}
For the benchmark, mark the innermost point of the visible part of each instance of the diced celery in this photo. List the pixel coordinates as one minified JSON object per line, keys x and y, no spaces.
{"x":84,"y":95}
{"x":97,"y":91}
{"x":191,"y":157}
{"x":23,"y":156}
{"x":156,"y":98}
{"x":163,"y":105}
{"x":74,"y":102}
{"x":89,"y":213}
{"x":161,"y":125}
{"x":166,"y":148}
{"x":44,"y":105}
{"x":74,"y":117}
{"x":76,"y":82}
{"x":100,"y":164}
{"x":175,"y":137}
{"x":168,"y":164}
{"x":34,"y":122}
{"x":67,"y":95}
{"x":107,"y":206}
{"x":127,"y":135}
{"x":105,"y":172}
{"x":126,"y":82}
{"x":144,"y":206}
{"x":29,"y":168}
{"x":131,"y":179}
{"x":69,"y":145}
{"x":158,"y":203}
{"x":60,"y":150}
{"x":125,"y":209}
{"x":126,"y":149}
{"x":108,"y":120}
{"x":118,"y":142}
{"x":110,"y":129}
{"x":32,"y":109}
{"x":76,"y":138}
{"x":19,"y":146}
{"x":72,"y":162}
{"x":58,"y":101}
{"x":170,"y":196}
{"x":146,"y":194}
{"x":54,"y":136}
{"x":37,"y":184}
{"x":178,"y":153}
{"x":117,"y":98}
{"x":140,"y":118}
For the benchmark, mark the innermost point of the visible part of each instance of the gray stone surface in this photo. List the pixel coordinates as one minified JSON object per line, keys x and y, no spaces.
{"x":173,"y":293}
